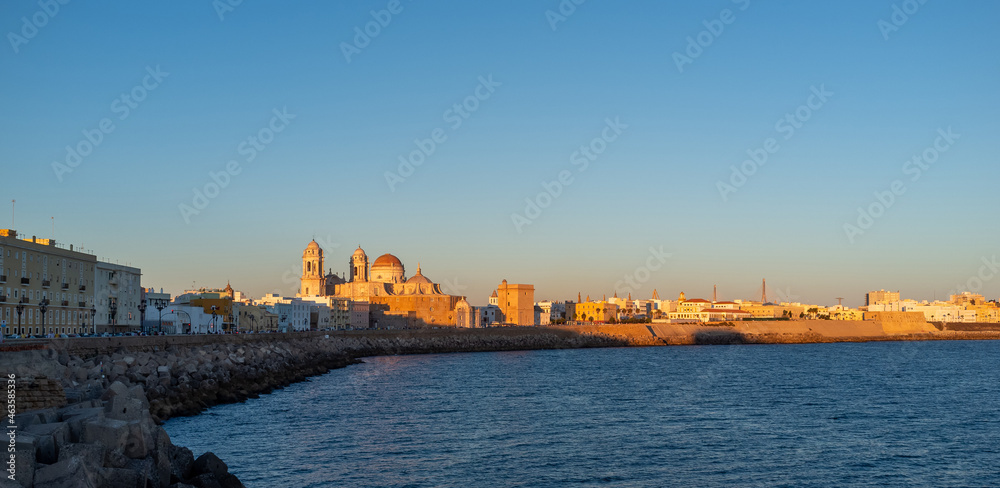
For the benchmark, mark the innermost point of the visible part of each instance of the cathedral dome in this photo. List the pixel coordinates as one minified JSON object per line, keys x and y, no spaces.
{"x":387,"y":260}
{"x":359,"y":253}
{"x":388,"y":269}
{"x":418,"y":278}
{"x":313,"y":245}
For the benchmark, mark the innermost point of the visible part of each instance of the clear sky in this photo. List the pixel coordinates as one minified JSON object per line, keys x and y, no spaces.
{"x":669,"y":119}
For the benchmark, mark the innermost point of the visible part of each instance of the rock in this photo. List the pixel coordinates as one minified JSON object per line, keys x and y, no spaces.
{"x":140,"y":439}
{"x":25,"y":463}
{"x":210,"y":463}
{"x":161,"y":478}
{"x":231,"y":481}
{"x":118,"y":371}
{"x":121,"y":478}
{"x":116,"y":389}
{"x":68,"y":473}
{"x":92,"y":455}
{"x":115,"y":458}
{"x":107,"y":432}
{"x":50,"y":437}
{"x":205,"y":480}
{"x":181,"y":463}
{"x":76,"y":418}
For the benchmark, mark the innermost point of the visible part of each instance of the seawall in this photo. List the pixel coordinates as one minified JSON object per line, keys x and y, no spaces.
{"x":95,"y":403}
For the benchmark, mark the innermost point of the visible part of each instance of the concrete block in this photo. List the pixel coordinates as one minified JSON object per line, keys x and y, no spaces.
{"x":91,"y":454}
{"x":107,"y":432}
{"x":50,"y":438}
{"x":69,"y":473}
{"x":76,"y":419}
{"x":139,"y":441}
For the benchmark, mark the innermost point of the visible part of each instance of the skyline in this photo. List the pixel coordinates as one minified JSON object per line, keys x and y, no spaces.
{"x":663,"y":137}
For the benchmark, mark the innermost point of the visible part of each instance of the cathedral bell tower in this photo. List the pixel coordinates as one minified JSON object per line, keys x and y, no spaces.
{"x":313,"y":281}
{"x":359,"y":266}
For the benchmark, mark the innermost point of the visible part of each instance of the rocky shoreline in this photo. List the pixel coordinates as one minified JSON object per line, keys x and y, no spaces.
{"x":88,"y":411}
{"x":95,"y":410}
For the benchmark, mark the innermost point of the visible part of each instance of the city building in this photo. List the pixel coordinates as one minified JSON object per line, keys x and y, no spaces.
{"x":293,"y":313}
{"x":44,"y":288}
{"x":883,"y":301}
{"x":117,"y":296}
{"x":517,"y":303}
{"x":254,"y":318}
{"x":599,"y":312}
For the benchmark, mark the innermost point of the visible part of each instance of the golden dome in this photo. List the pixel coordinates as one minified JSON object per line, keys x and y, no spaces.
{"x":387,"y":260}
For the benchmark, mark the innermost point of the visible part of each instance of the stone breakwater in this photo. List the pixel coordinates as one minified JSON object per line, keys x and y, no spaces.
{"x":96,"y":403}
{"x":103,"y":398}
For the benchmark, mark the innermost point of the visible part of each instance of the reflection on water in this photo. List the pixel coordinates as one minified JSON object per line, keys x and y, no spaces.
{"x":901,"y":414}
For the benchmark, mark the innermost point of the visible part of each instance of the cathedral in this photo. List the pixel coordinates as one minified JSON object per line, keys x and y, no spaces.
{"x":417,"y":300}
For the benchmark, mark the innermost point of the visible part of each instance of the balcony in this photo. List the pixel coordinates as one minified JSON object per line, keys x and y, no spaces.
{"x":3,"y":298}
{"x":65,"y":303}
{"x":25,"y":281}
{"x":81,"y":304}
{"x":65,"y":286}
{"x":83,"y":287}
{"x":46,"y":283}
{"x":3,"y":278}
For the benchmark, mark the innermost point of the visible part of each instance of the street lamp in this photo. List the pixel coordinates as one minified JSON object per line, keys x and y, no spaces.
{"x":113,"y":308}
{"x":93,"y":318}
{"x":231,"y":323}
{"x":159,"y":304}
{"x":142,"y":315}
{"x":43,"y":306}
{"x":20,"y":310}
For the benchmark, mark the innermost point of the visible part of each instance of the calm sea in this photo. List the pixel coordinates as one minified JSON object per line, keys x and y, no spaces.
{"x":875,"y":414}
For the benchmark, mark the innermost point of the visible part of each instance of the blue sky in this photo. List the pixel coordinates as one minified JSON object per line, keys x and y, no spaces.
{"x":656,"y":185}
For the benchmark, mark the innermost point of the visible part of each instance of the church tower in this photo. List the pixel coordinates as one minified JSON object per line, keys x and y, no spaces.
{"x":359,"y":266}
{"x":313,"y":281}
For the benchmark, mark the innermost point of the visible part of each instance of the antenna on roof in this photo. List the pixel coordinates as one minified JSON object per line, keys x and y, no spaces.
{"x":840,"y":302}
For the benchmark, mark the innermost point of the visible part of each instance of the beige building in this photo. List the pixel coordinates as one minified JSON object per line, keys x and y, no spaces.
{"x":882,"y":297}
{"x":117,"y":295}
{"x":517,"y":303}
{"x":34,"y":272}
